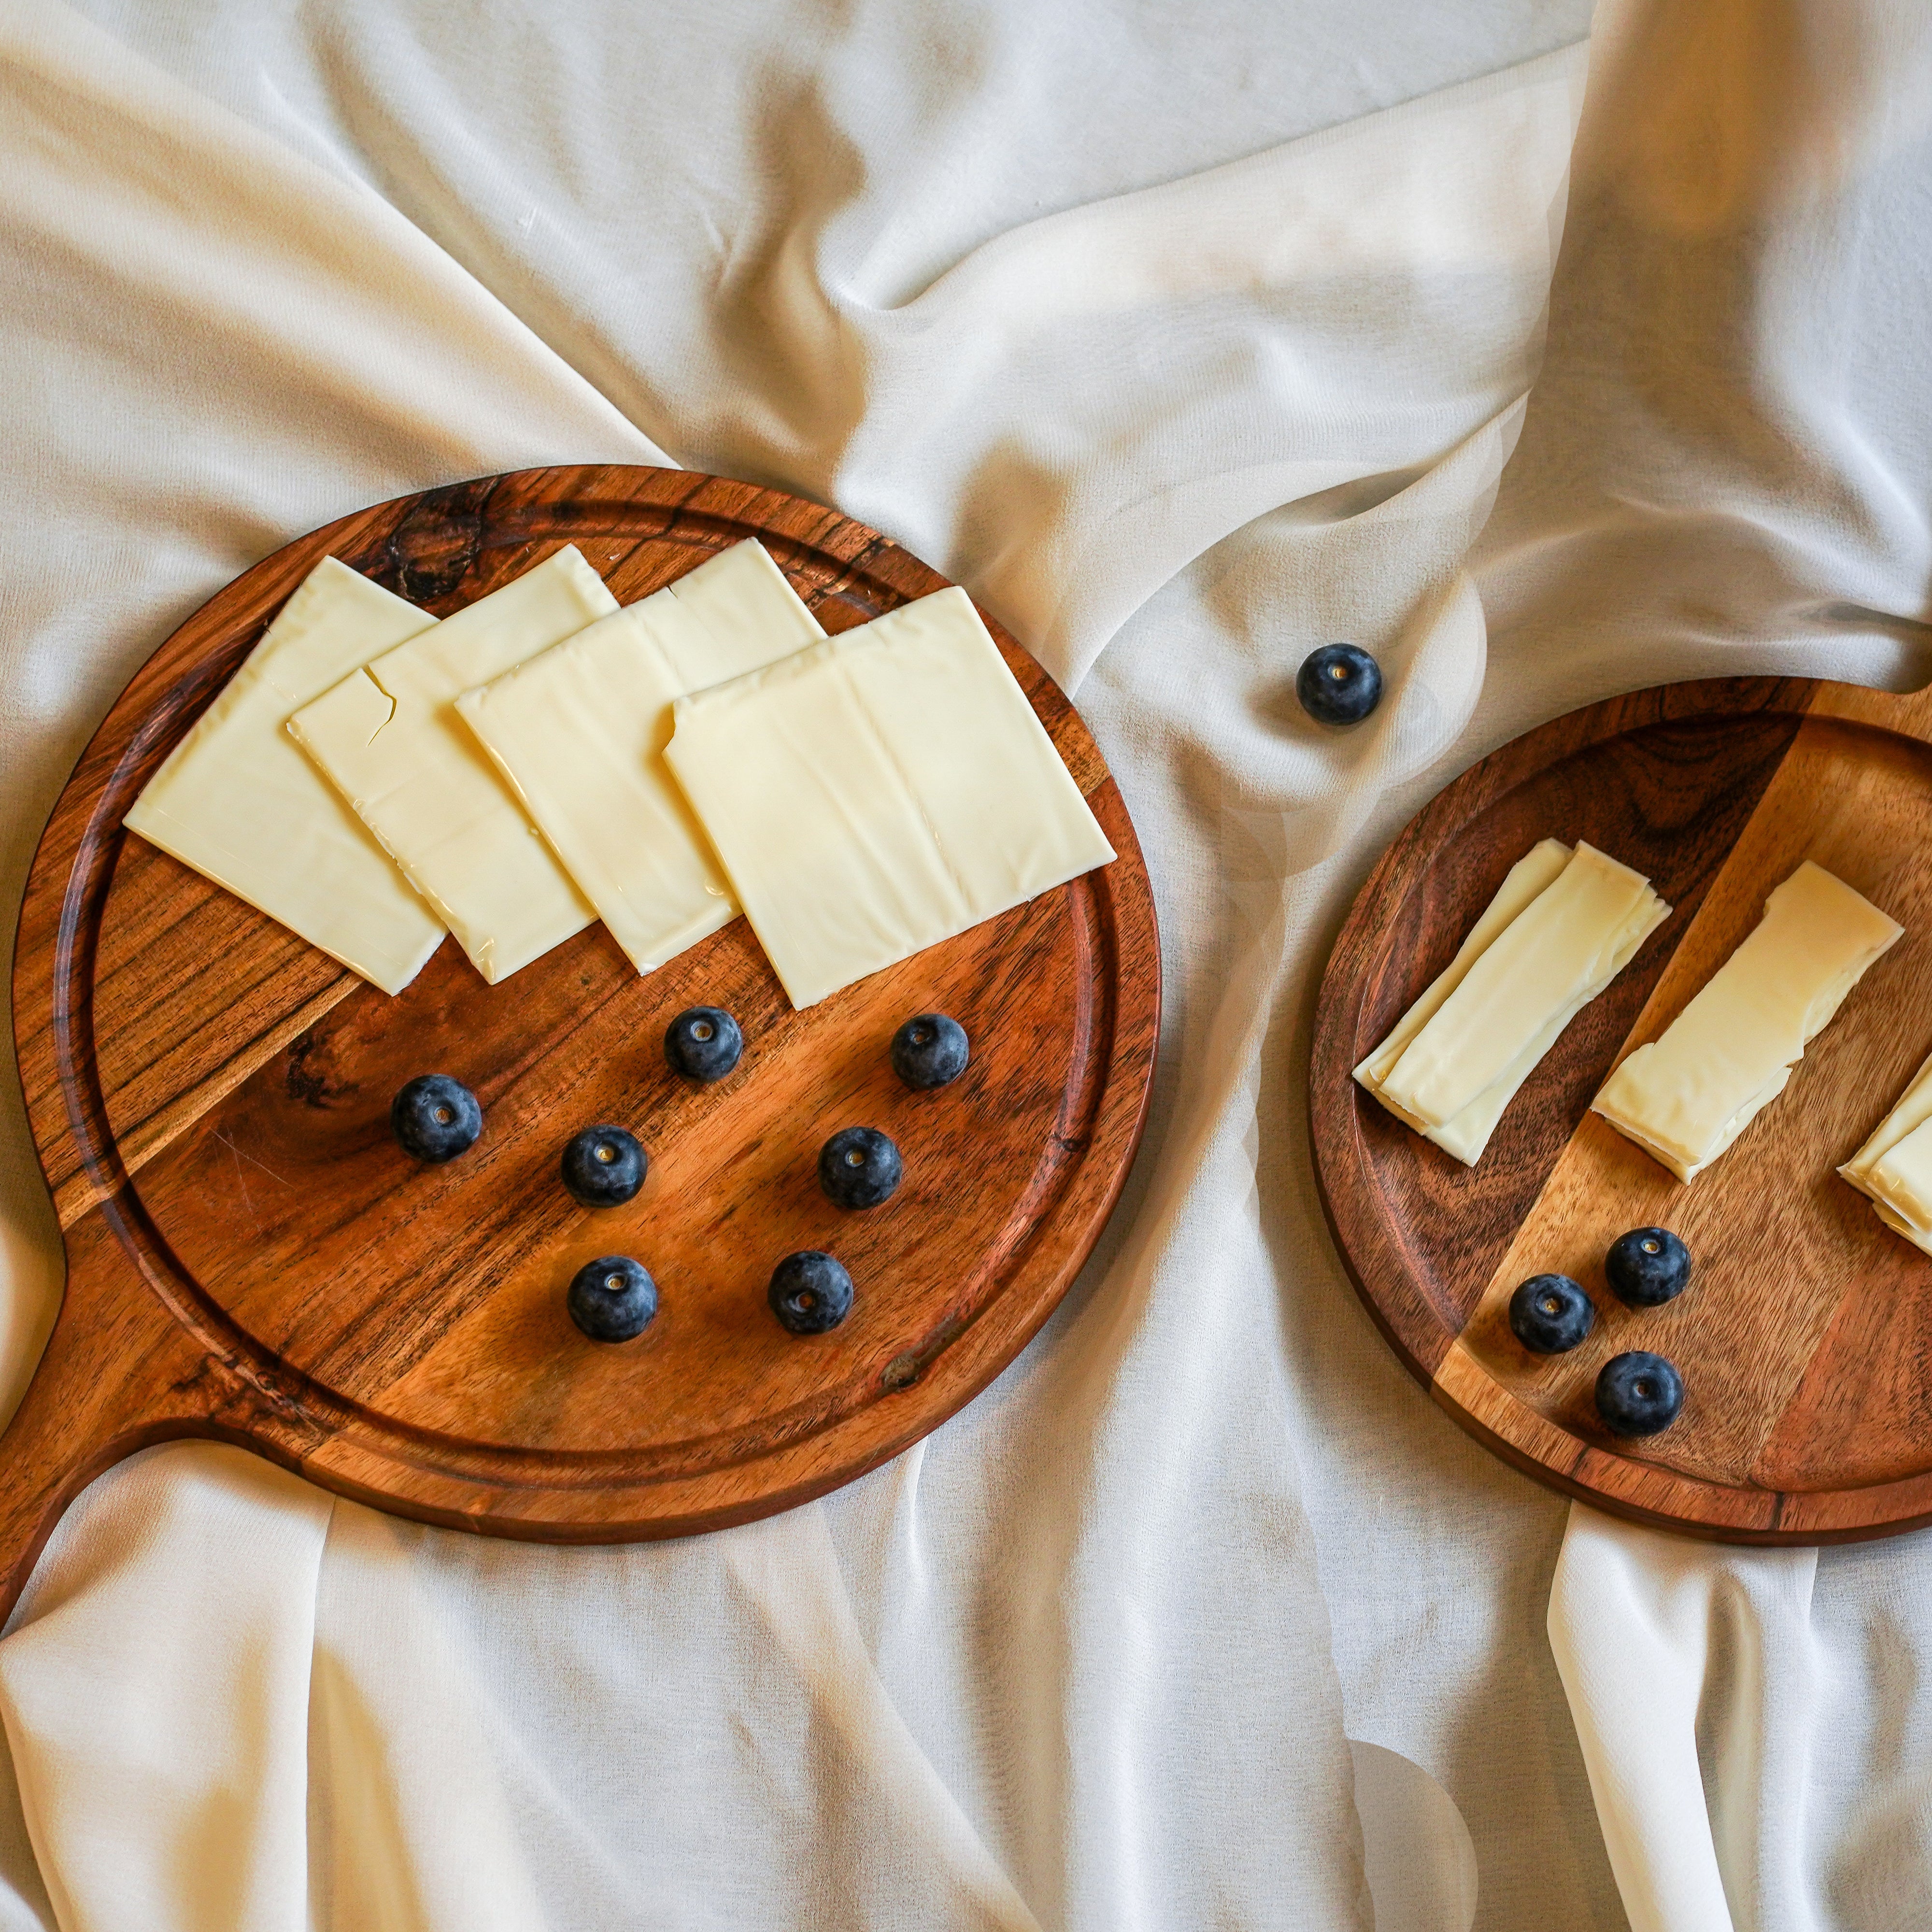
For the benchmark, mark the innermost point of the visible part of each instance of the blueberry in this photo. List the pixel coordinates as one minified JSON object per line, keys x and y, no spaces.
{"x":603,"y":1167}
{"x":859,"y":1167}
{"x":704,"y":1043}
{"x":810,"y":1293}
{"x":436,"y":1118}
{"x":1339,"y":684}
{"x":1638,"y":1393}
{"x":1648,"y":1267}
{"x":1549,"y":1313}
{"x":612,"y":1299}
{"x":929,"y":1050}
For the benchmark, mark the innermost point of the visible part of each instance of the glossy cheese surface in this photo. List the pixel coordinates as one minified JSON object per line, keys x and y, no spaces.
{"x":580,"y":732}
{"x":875,"y":793}
{"x":238,"y":801}
{"x":388,"y":736}
{"x":1461,"y":1068}
{"x":1686,"y":1097}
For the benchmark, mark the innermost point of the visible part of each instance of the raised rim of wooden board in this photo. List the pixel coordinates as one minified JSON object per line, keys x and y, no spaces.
{"x":139,"y":1353}
{"x":1394,"y":1237}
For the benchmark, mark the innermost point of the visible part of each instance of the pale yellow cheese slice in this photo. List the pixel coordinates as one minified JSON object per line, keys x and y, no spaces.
{"x":1685,"y":1097}
{"x":389,"y":737}
{"x":238,"y":801}
{"x":579,"y":732}
{"x":1467,"y":1133}
{"x":1486,"y":1036}
{"x":1895,"y":1166}
{"x":873,"y":794}
{"x":1537,"y":868}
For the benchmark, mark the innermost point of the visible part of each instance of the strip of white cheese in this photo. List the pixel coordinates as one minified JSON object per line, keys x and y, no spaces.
{"x":389,"y":737}
{"x":1684,"y":1098}
{"x":1895,"y":1166}
{"x":1537,"y":868}
{"x":876,"y":793}
{"x":237,"y":800}
{"x":1467,"y":1133}
{"x":579,"y":732}
{"x":1471,"y":1056}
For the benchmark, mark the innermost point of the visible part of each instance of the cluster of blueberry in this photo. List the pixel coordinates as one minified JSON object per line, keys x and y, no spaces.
{"x":1638,"y":1392}
{"x":614,"y":1298}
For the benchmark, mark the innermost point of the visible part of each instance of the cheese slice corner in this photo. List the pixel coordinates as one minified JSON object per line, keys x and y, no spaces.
{"x":879,"y":792}
{"x":238,"y":801}
{"x":1685,"y":1096}
{"x":1894,"y":1168}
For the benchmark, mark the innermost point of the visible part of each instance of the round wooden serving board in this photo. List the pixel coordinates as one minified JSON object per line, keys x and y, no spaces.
{"x":251,"y":1257}
{"x":1805,"y":1338}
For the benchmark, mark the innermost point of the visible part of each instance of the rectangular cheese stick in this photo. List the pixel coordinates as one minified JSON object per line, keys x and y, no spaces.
{"x":1565,"y":946}
{"x":1895,"y":1166}
{"x":580,"y":731}
{"x":1685,"y":1097}
{"x":238,"y":801}
{"x":878,"y":792}
{"x":1537,"y":868}
{"x":389,"y":737}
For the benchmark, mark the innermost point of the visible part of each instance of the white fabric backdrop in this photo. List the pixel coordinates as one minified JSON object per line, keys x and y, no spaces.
{"x":1156,"y":333}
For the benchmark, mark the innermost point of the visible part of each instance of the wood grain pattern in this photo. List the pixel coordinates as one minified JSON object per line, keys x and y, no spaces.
{"x":251,"y":1257}
{"x":1806,"y":1338}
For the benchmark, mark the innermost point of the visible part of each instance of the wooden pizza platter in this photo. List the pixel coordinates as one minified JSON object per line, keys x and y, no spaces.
{"x":1805,"y":1338}
{"x":250,"y":1256}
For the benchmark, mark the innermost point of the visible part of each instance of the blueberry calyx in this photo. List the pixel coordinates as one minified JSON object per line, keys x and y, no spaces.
{"x":603,"y":1167}
{"x":1648,"y":1267}
{"x":859,"y":1167}
{"x":1339,"y":684}
{"x":435,"y":1118}
{"x":810,"y":1292}
{"x":612,"y":1299}
{"x":704,"y":1043}
{"x":930,"y":1050}
{"x":1638,"y":1393}
{"x":1550,"y":1313}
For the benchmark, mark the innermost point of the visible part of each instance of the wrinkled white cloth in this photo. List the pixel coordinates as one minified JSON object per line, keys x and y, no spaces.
{"x":1184,"y":358}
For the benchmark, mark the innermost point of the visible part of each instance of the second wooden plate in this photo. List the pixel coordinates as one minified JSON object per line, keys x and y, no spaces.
{"x":1805,"y":1339}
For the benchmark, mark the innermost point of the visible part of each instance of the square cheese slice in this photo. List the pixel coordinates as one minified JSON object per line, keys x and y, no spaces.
{"x":1462,"y":1067}
{"x":1684,"y":1097}
{"x":1895,"y":1166}
{"x":238,"y":801}
{"x":389,"y":736}
{"x":580,"y":732}
{"x":873,"y":794}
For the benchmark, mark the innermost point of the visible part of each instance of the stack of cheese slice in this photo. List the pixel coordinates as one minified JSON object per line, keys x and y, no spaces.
{"x":1563,"y":925}
{"x":511,"y":772}
{"x":1685,"y":1097}
{"x":580,"y":732}
{"x":1895,"y":1166}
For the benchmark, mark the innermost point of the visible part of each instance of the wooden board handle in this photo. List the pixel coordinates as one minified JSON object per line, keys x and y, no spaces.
{"x":117,"y":1374}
